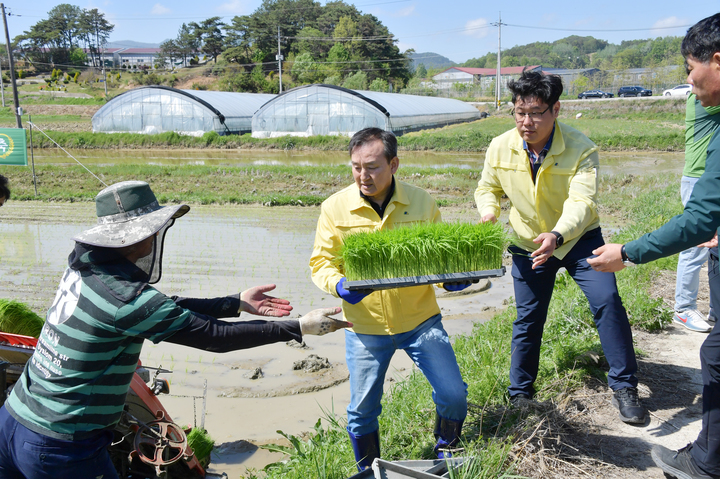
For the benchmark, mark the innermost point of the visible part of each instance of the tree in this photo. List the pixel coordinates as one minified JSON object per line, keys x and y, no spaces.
{"x":78,"y":56}
{"x":378,"y":84}
{"x":356,"y":81}
{"x":421,"y":71}
{"x":209,"y":36}
{"x":186,"y":43}
{"x":169,"y":51}
{"x":95,"y":30}
{"x":306,"y":70}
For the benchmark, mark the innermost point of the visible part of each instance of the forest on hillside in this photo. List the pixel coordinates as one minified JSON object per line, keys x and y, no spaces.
{"x":333,"y":43}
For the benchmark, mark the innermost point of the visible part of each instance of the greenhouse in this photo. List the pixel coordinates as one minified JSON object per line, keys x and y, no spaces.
{"x":157,"y":109}
{"x":331,"y":110}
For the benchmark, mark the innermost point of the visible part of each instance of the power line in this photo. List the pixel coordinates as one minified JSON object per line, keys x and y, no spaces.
{"x":596,"y":30}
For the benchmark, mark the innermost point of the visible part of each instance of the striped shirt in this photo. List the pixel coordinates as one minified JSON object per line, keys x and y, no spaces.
{"x":75,"y":384}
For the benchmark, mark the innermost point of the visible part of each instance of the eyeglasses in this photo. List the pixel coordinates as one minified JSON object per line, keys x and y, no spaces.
{"x":533,"y":115}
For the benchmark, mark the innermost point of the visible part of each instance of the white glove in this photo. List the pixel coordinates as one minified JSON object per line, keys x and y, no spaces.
{"x":319,"y":322}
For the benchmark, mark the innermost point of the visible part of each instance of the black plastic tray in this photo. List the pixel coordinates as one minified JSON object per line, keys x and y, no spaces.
{"x":390,"y":283}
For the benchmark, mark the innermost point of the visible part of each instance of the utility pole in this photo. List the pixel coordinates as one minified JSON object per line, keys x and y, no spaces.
{"x":279,"y":59}
{"x":2,"y":85}
{"x":102,"y":60}
{"x":498,"y":88}
{"x":12,"y":68}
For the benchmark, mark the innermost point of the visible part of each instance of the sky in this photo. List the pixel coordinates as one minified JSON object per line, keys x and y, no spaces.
{"x":457,"y":29}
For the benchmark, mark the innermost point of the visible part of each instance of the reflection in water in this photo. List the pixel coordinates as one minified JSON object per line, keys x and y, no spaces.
{"x":636,"y":162}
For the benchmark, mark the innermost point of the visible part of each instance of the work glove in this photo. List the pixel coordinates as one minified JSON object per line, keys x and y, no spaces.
{"x":319,"y":322}
{"x":457,"y":285}
{"x":352,"y":297}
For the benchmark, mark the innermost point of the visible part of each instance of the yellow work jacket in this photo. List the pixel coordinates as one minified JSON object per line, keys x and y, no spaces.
{"x":563,"y":197}
{"x":386,"y":312}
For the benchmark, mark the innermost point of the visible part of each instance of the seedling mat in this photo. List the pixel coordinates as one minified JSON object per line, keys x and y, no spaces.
{"x":404,"y":282}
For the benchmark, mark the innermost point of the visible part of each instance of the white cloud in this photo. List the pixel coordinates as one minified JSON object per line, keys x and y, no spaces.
{"x":402,"y":46}
{"x":233,"y":6}
{"x":671,"y":22}
{"x":159,"y":9}
{"x":477,"y":28}
{"x":405,"y":12}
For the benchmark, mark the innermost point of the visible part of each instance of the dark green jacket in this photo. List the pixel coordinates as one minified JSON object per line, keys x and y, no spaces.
{"x":697,"y":224}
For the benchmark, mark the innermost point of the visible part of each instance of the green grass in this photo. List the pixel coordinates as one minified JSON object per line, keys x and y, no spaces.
{"x":571,"y":356}
{"x":422,"y":249}
{"x":202,"y":445}
{"x":633,"y":131}
{"x":271,"y":185}
{"x":17,"y":318}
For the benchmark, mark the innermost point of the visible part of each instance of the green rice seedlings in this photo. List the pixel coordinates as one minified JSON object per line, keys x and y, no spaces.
{"x":202,"y":445}
{"x":17,"y":318}
{"x":423,"y":249}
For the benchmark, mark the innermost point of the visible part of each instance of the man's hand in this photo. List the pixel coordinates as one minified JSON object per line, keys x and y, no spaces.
{"x":710,"y":244}
{"x":547,"y":242}
{"x":608,"y":258}
{"x":352,"y":297}
{"x":488,"y":217}
{"x":319,"y":322}
{"x":255,"y":301}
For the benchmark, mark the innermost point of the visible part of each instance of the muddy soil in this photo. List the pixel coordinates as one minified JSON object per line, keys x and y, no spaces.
{"x":217,"y":250}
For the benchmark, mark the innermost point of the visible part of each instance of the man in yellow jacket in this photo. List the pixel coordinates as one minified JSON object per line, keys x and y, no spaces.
{"x":388,"y":320}
{"x":549,"y":173}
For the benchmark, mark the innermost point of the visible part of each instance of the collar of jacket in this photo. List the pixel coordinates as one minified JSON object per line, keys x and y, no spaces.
{"x":400,"y":196}
{"x":109,"y":270}
{"x":557,"y":147}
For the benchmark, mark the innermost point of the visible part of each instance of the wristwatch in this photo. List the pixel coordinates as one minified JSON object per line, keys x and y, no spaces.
{"x":558,"y":239}
{"x":626,"y":261}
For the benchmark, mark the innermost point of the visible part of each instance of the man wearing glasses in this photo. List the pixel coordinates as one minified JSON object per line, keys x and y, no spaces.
{"x":549,"y":173}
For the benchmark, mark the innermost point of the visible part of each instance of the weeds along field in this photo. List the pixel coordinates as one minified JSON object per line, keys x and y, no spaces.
{"x":506,"y":440}
{"x":628,"y":124}
{"x":270,"y":185}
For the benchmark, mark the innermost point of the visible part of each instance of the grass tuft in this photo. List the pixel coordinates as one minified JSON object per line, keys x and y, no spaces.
{"x":18,"y":318}
{"x":421,"y":249}
{"x":202,"y":445}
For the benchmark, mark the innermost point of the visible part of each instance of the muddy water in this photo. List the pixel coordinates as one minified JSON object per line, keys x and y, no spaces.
{"x":611,"y":162}
{"x":216,"y":251}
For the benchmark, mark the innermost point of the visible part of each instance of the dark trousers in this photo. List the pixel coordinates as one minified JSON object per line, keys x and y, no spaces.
{"x":533,"y":290}
{"x":25,"y":454}
{"x":706,"y":449}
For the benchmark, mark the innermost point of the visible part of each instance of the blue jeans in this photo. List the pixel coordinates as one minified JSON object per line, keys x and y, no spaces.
{"x":25,"y":454}
{"x":533,"y":291}
{"x":689,"y":261}
{"x":368,"y":357}
{"x":706,"y":448}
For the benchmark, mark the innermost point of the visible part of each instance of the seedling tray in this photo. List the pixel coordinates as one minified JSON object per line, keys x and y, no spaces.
{"x":390,"y":283}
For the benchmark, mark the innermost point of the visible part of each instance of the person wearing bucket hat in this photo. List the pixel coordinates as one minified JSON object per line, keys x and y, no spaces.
{"x":59,"y":418}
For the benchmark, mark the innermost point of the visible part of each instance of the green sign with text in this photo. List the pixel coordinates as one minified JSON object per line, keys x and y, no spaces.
{"x":13,"y":147}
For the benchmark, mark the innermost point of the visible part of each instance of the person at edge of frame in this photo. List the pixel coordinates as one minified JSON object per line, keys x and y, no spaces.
{"x":549,"y":173}
{"x":700,"y":124}
{"x":386,"y":320}
{"x":698,"y":223}
{"x":58,"y":420}
{"x":4,"y":190}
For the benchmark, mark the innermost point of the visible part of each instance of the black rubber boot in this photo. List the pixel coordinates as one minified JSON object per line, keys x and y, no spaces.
{"x":447,"y":435}
{"x":366,"y":448}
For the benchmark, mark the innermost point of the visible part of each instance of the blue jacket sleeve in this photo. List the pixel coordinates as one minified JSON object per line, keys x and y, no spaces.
{"x":698,"y":223}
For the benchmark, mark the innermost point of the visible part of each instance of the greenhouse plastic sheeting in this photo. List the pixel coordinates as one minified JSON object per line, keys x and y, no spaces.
{"x":331,"y":110}
{"x":189,"y":112}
